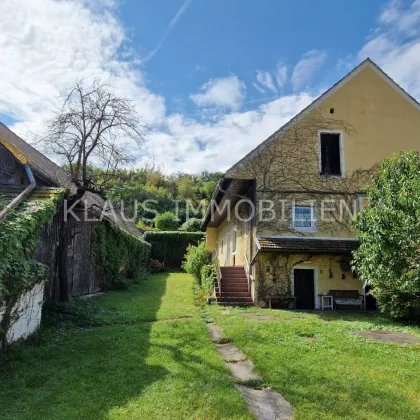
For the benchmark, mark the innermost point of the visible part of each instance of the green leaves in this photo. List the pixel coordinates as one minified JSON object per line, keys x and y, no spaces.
{"x":170,"y":247}
{"x":19,"y":234}
{"x":389,"y":232}
{"x":195,"y":258}
{"x":119,"y":257}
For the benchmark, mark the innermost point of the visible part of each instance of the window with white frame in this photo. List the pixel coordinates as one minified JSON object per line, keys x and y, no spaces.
{"x":304,"y":217}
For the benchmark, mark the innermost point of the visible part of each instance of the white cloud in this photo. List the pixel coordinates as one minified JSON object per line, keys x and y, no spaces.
{"x":258,"y":87}
{"x":307,"y":67}
{"x":226,"y":92}
{"x":265,"y":79}
{"x":227,"y":139}
{"x":395,"y":44}
{"x":48,"y":44}
{"x":281,"y":75}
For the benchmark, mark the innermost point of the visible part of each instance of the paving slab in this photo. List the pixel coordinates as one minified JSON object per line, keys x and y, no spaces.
{"x":215,"y":332}
{"x":243,"y":371}
{"x":266,"y":404}
{"x":230,"y":353}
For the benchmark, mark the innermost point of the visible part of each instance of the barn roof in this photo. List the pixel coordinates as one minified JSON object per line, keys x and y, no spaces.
{"x":40,"y":164}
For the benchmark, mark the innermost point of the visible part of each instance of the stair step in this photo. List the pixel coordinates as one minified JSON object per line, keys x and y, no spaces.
{"x":235,"y":299}
{"x":236,"y":293}
{"x":235,"y":304}
{"x":234,"y":283}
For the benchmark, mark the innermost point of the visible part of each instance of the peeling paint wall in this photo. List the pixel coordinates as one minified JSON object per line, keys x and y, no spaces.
{"x":26,"y":314}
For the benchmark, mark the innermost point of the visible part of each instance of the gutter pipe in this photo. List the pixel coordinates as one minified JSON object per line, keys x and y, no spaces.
{"x":17,"y":200}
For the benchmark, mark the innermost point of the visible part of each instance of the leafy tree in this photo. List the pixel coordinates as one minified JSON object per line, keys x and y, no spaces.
{"x":186,"y":188}
{"x":389,"y":232}
{"x":166,"y":221}
{"x":195,"y":259}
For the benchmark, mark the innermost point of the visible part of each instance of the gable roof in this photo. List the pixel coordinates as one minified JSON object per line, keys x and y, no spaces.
{"x":40,"y":164}
{"x":366,"y":63}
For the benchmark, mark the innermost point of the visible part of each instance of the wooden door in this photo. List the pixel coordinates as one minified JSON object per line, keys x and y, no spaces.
{"x":304,"y":288}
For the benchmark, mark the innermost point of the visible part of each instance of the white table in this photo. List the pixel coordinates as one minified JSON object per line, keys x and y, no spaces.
{"x":327,"y":302}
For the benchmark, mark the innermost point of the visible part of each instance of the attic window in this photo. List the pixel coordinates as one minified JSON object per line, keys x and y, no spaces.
{"x":330,"y":148}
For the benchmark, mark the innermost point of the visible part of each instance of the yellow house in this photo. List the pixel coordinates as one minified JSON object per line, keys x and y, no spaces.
{"x":278,"y":226}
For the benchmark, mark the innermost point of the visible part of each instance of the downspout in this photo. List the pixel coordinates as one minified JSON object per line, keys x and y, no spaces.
{"x":17,"y":200}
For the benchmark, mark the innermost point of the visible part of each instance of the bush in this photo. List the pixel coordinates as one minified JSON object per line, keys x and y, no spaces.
{"x":166,"y":221}
{"x":119,"y":257}
{"x":170,"y":247}
{"x":208,"y":277}
{"x":191,"y":225}
{"x":389,"y":233}
{"x":195,"y":258}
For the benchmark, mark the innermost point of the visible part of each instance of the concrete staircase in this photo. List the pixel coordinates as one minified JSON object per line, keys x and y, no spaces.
{"x":234,"y":288}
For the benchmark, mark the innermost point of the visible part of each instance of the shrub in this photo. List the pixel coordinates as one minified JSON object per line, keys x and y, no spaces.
{"x":166,"y":221}
{"x":208,"y":277}
{"x":191,"y":225}
{"x":389,"y":233}
{"x":195,"y":258}
{"x":170,"y":247}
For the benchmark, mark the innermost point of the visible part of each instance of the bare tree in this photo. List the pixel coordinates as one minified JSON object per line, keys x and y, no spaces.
{"x":93,"y":127}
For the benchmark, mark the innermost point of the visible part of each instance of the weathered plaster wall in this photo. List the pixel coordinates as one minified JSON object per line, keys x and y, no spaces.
{"x":275,"y":274}
{"x":26,"y":314}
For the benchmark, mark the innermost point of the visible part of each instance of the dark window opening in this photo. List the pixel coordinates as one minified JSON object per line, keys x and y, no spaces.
{"x":330,"y":154}
{"x":331,"y":110}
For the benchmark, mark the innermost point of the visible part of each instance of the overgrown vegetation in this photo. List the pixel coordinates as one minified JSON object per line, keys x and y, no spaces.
{"x":19,"y":272}
{"x":389,"y":232}
{"x":170,"y":247}
{"x":208,"y":277}
{"x":119,"y":257}
{"x":195,"y":259}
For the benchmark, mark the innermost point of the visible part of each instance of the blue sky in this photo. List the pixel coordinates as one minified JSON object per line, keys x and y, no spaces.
{"x":213,"y":39}
{"x":211,"y":79}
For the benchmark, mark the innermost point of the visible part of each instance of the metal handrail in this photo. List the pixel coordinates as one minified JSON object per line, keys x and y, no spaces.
{"x":248,"y":272}
{"x":219,"y":277}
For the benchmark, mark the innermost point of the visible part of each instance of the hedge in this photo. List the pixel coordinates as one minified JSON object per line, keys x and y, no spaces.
{"x":170,"y":247}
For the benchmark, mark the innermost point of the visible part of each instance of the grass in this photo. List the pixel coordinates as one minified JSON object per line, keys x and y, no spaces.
{"x":143,"y":353}
{"x":323,"y":370}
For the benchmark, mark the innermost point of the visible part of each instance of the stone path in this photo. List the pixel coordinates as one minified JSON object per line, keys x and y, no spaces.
{"x":389,"y":336}
{"x":263,"y":403}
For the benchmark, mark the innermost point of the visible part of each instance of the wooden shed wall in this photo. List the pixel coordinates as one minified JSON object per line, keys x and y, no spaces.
{"x":82,"y":278}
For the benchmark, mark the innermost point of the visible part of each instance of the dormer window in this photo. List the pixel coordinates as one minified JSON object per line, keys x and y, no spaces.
{"x":331,"y":162}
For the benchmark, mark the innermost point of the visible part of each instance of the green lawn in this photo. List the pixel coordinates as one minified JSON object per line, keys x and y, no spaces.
{"x":323,"y":370}
{"x":137,"y":354}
